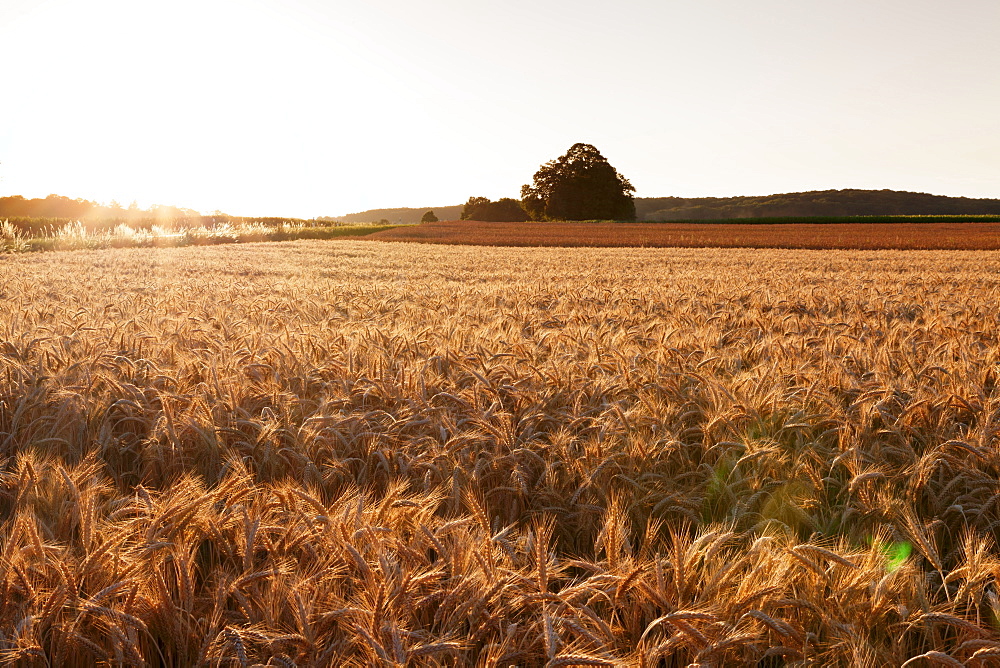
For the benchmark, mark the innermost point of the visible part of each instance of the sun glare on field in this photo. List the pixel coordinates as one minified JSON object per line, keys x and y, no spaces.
{"x":195,"y":105}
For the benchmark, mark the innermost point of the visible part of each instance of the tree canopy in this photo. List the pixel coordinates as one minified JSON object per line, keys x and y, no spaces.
{"x":428,"y":217}
{"x":504,"y":210}
{"x":580,"y":185}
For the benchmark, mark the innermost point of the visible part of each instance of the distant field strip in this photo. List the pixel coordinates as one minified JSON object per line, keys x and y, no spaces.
{"x":931,"y":235}
{"x":359,"y":454}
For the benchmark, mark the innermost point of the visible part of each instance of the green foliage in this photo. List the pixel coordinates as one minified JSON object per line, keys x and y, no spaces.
{"x":504,"y":210}
{"x":580,"y":185}
{"x":428,"y":217}
{"x":474,"y":205}
{"x":896,"y":555}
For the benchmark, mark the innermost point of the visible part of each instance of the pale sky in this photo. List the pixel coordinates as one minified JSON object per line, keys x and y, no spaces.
{"x":310,"y":108}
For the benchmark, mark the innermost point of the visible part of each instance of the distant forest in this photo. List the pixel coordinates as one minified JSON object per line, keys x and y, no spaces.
{"x":820,"y":203}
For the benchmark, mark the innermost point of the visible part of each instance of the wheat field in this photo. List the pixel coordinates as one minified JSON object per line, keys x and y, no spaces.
{"x":355,"y":453}
{"x":862,"y":233}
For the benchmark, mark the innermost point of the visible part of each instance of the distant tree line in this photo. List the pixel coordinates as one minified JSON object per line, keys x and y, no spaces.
{"x":58,"y":206}
{"x":816,"y":204}
{"x":820,"y":203}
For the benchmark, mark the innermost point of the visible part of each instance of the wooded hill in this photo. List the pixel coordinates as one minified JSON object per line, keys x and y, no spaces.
{"x":820,"y":203}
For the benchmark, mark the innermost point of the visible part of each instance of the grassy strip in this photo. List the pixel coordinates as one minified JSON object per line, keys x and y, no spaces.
{"x":42,"y":227}
{"x":123,"y":236}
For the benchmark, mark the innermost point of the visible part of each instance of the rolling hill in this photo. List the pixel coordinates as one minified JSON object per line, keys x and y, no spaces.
{"x":402,"y":215}
{"x":809,"y":204}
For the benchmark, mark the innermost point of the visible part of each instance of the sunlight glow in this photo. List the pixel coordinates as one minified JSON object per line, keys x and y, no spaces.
{"x":311,"y":108}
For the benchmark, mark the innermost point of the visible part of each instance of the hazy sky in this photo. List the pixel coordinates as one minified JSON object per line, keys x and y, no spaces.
{"x":306,"y":108}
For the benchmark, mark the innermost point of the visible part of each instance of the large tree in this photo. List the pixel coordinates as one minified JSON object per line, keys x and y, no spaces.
{"x":580,"y":185}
